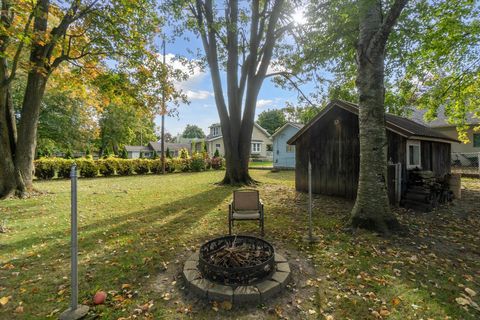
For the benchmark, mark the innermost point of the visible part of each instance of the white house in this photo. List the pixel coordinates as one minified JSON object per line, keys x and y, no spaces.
{"x":261,"y":147}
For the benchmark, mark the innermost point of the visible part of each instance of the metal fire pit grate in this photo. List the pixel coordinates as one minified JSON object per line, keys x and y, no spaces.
{"x":236,"y":260}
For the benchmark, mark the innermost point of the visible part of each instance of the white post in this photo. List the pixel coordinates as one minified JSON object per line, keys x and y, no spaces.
{"x":310,"y":235}
{"x":75,"y":311}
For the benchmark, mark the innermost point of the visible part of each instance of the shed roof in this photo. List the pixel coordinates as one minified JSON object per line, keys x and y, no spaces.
{"x":441,"y":120}
{"x":288,"y":124}
{"x":402,"y":126}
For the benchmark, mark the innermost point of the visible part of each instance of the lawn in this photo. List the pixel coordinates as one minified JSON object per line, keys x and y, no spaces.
{"x":261,"y":164}
{"x":135,"y":231}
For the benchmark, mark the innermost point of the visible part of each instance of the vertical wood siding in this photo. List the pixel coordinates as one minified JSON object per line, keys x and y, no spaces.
{"x":333,"y":146}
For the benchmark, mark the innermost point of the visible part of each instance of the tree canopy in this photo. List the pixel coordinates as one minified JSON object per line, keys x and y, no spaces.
{"x":193,"y":131}
{"x":271,"y":120}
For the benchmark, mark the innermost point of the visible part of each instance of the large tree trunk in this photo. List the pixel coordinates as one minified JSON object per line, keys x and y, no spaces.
{"x":8,"y":183}
{"x":237,"y":128}
{"x":27,"y":128}
{"x":372,"y":210}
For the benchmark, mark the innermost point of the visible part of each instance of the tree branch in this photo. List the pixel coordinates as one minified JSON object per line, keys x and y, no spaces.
{"x":379,"y":40}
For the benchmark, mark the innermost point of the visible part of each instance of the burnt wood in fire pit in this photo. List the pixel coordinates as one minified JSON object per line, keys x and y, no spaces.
{"x":236,"y":260}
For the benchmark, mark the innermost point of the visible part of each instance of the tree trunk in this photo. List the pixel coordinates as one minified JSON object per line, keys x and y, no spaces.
{"x":7,"y":144}
{"x":372,"y":210}
{"x":27,"y":128}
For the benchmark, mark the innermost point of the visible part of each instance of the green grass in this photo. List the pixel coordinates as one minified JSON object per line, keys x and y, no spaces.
{"x":130,"y":228}
{"x":256,"y":164}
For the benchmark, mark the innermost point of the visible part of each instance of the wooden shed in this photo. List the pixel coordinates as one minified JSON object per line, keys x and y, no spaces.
{"x":331,"y":141}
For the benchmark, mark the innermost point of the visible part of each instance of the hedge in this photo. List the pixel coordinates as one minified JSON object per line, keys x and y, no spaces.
{"x":49,"y":168}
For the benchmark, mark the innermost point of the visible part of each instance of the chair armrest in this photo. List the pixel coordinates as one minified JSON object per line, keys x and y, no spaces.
{"x":230,"y":209}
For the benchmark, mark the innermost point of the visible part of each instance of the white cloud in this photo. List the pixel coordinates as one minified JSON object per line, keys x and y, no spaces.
{"x":198,"y":94}
{"x":195,"y":76}
{"x":263,"y":103}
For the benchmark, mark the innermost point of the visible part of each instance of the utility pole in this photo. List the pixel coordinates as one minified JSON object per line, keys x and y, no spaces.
{"x":164,"y":110}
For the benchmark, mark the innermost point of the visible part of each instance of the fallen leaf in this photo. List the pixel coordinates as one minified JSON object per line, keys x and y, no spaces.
{"x":19,"y":309}
{"x":125,"y":286}
{"x":4,"y":300}
{"x":395,"y":301}
{"x":470,"y":292}
{"x":462,"y":301}
{"x":384,"y":312}
{"x":311,"y":311}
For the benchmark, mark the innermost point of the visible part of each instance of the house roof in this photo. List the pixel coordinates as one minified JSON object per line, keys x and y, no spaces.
{"x":441,"y":120}
{"x":402,"y":126}
{"x":211,"y":138}
{"x":157,"y":146}
{"x":288,"y":124}
{"x":137,"y":149}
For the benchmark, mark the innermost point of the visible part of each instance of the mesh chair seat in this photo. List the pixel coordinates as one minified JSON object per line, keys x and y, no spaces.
{"x":248,"y":215}
{"x":246,"y":205}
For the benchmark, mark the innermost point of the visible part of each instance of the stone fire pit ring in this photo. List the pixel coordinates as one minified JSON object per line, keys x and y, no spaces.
{"x":236,"y":294}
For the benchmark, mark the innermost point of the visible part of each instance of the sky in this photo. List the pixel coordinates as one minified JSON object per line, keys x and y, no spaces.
{"x":202,"y":110}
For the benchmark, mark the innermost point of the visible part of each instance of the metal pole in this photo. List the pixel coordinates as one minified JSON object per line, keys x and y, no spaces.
{"x":163,"y":112}
{"x":75,"y":311}
{"x":74,"y":249}
{"x":310,"y":235}
{"x":478,"y":160}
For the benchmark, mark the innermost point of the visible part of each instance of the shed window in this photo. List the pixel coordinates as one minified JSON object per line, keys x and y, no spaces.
{"x":413,"y":154}
{"x":476,"y":140}
{"x":256,"y":147}
{"x":290,"y":148}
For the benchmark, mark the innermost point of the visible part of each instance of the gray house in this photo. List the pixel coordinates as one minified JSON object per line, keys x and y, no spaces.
{"x":283,"y":153}
{"x":135,"y":152}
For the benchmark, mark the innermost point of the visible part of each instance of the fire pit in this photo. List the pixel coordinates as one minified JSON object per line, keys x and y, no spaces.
{"x":238,"y":269}
{"x":236,"y":260}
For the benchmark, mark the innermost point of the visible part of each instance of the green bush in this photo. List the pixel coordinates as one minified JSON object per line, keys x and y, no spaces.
{"x":183,"y":153}
{"x":64,"y":167}
{"x":88,"y":168}
{"x":181,"y":165}
{"x":107,"y":167}
{"x":156,"y":166}
{"x":197,"y":163}
{"x":142,"y":166}
{"x":126,"y":167}
{"x":45,"y":168}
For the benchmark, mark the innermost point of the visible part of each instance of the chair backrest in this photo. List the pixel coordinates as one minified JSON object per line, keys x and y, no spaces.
{"x":246,"y":199}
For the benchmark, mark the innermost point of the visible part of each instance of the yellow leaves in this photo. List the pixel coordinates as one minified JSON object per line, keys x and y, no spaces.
{"x":8,"y":266}
{"x":126,"y":286}
{"x":396,"y":301}
{"x":4,"y":300}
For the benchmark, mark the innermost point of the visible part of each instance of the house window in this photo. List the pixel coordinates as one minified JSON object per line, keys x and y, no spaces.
{"x":413,"y":154}
{"x":217,"y":146}
{"x":269,"y":147}
{"x":215,"y":131}
{"x":476,"y":140}
{"x":256,"y":147}
{"x":290,"y":148}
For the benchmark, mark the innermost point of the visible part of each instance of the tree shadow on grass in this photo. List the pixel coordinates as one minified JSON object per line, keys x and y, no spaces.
{"x":112,"y":252}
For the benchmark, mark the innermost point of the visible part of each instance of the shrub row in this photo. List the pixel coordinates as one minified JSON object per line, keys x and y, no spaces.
{"x":49,"y":168}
